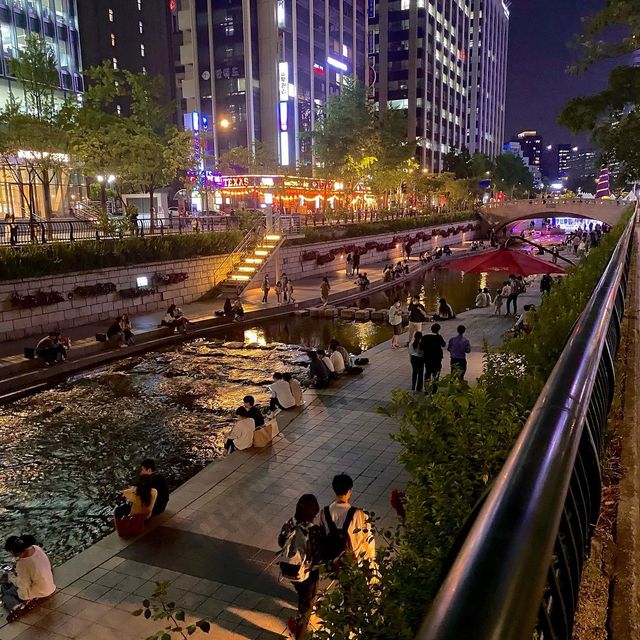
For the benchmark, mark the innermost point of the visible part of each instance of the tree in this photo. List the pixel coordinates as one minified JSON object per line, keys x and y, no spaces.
{"x":458,"y":162}
{"x":611,"y":115}
{"x":144,"y":149}
{"x":33,"y":131}
{"x":511,"y":175}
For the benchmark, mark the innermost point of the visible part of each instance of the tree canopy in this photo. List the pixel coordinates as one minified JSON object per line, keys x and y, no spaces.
{"x":511,"y":175}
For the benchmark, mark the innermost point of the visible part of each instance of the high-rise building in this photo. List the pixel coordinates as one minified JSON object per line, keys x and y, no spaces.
{"x":420,"y":50}
{"x":487,"y":76}
{"x":444,"y":62}
{"x":563,"y":153}
{"x":531,"y":145}
{"x":137,"y":35}
{"x":258,"y":71}
{"x":517,"y":149}
{"x":57,"y":21}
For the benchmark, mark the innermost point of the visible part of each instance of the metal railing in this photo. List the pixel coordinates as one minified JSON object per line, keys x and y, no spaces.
{"x":518,"y":570}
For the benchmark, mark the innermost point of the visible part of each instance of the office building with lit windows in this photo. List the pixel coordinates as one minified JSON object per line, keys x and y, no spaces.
{"x":259,"y":70}
{"x":531,"y":145}
{"x":420,"y":50}
{"x":137,"y":35}
{"x":57,"y":21}
{"x":489,"y":34}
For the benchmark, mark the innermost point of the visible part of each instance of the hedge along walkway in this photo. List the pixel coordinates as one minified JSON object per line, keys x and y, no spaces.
{"x":216,"y":543}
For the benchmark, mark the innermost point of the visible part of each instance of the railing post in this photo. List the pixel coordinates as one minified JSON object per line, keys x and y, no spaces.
{"x":43,"y":233}
{"x":71,"y":238}
{"x":141,"y":228}
{"x":161,"y":228}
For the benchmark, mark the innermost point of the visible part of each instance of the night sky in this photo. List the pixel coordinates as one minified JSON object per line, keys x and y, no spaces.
{"x":537,"y":85}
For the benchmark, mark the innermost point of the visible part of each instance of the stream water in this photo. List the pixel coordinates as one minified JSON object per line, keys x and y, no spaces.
{"x":66,"y":452}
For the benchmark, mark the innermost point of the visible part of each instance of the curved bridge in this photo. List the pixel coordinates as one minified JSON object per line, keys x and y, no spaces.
{"x":500,"y":214}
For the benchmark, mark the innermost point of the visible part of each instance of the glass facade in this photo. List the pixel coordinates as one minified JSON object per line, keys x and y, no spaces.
{"x":261,"y":75}
{"x":57,"y":21}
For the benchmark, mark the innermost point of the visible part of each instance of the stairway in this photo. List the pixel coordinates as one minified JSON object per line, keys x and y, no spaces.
{"x":249,"y":261}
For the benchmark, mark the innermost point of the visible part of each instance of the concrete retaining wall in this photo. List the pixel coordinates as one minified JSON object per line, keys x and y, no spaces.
{"x":18,"y":323}
{"x":288,"y":259}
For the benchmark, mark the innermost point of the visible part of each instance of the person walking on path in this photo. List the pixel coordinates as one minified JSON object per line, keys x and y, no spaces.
{"x":501,"y":296}
{"x":417,"y":315}
{"x":278,"y":290}
{"x":266,"y":287}
{"x":417,"y":362}
{"x":432,"y":346}
{"x":285,"y":281}
{"x":545,"y":284}
{"x":325,"y":287}
{"x":395,"y":320}
{"x":340,"y":516}
{"x":302,"y":541}
{"x":513,"y":295}
{"x":458,"y":348}
{"x":290,"y":297}
{"x":356,"y":263}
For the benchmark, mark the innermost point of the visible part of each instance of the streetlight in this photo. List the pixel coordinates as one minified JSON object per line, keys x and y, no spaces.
{"x":225,"y":123}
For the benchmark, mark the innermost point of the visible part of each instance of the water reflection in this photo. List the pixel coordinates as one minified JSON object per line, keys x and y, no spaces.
{"x":67,"y":451}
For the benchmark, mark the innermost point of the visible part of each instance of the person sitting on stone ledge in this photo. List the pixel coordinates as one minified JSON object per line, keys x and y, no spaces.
{"x":158,"y":482}
{"x":142,"y":497}
{"x":241,"y":434}
{"x":281,"y":396}
{"x":115,"y":335}
{"x":227,"y":309}
{"x":249,"y":403}
{"x":238,"y":311}
{"x":296,"y":389}
{"x":127,"y":329}
{"x":175,"y":319}
{"x":318,"y":371}
{"x":52,"y":348}
{"x":31,"y":576}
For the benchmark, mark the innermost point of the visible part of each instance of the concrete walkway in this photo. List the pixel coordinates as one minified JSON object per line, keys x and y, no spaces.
{"x":216,"y":543}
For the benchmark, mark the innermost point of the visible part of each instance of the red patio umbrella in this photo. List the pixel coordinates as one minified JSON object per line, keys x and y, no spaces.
{"x":515,"y":262}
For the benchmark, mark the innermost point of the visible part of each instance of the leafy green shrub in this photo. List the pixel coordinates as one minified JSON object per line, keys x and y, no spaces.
{"x":59,"y":257}
{"x":322,"y":234}
{"x":454,"y":444}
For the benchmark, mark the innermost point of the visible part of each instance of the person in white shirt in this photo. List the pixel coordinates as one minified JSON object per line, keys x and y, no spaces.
{"x":241,"y":434}
{"x":337,"y":360}
{"x":481,"y":299}
{"x":32,"y":576}
{"x":322,"y":354}
{"x":395,"y":320}
{"x":363,"y":544}
{"x":281,"y":396}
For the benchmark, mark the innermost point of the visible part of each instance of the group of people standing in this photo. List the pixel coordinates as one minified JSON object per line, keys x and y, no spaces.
{"x":283,"y":289}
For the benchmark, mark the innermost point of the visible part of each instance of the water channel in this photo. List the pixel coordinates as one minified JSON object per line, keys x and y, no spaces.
{"x":66,"y":452}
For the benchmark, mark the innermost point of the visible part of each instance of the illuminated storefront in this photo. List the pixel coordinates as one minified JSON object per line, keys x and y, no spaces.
{"x":286,"y":194}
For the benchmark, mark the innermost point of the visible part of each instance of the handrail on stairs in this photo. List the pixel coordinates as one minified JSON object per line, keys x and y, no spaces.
{"x":255,"y":234}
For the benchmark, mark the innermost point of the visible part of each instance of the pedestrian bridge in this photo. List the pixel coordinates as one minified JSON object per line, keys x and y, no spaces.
{"x":500,"y":214}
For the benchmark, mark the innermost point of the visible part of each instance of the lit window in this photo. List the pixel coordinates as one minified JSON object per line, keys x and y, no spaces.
{"x":140,"y":28}
{"x":118,"y":109}
{"x":115,"y":62}
{"x":144,"y":70}
{"x":110,"y":15}
{"x":139,"y":5}
{"x":142,"y":50}
{"x":113,"y":39}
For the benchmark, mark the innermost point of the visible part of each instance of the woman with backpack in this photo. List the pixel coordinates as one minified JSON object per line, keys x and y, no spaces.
{"x":301,"y":541}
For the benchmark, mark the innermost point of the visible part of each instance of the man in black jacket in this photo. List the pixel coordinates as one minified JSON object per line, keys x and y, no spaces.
{"x":417,"y":315}
{"x":158,"y":482}
{"x":431,"y":347}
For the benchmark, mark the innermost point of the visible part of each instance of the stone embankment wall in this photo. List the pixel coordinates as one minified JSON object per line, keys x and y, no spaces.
{"x":291,"y":259}
{"x":16,"y":323}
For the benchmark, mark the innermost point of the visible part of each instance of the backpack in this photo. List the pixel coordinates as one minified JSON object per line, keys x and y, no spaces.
{"x":518,"y":287}
{"x":296,"y":558}
{"x":337,"y":541}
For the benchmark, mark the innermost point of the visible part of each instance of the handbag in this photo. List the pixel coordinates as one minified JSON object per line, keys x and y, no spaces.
{"x":127,"y":525}
{"x":263,"y":436}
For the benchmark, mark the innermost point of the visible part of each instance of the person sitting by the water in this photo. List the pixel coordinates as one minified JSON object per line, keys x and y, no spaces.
{"x":336,"y":347}
{"x":281,"y":396}
{"x":447,"y":250}
{"x":51,"y":348}
{"x":318,"y":371}
{"x":142,"y":497}
{"x":30,"y":578}
{"x":238,"y":311}
{"x":175,"y":319}
{"x":115,"y":336}
{"x":398,"y":270}
{"x":241,"y":434}
{"x":388,"y":273}
{"x":227,"y":309}
{"x":158,"y":482}
{"x":336,"y":360}
{"x":438,"y":253}
{"x":254,"y":412}
{"x":365,"y":281}
{"x":127,"y":329}
{"x":481,"y":299}
{"x":445,"y":311}
{"x":525,"y":321}
{"x":296,"y":389}
{"x":326,"y":361}
{"x":487,"y":295}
